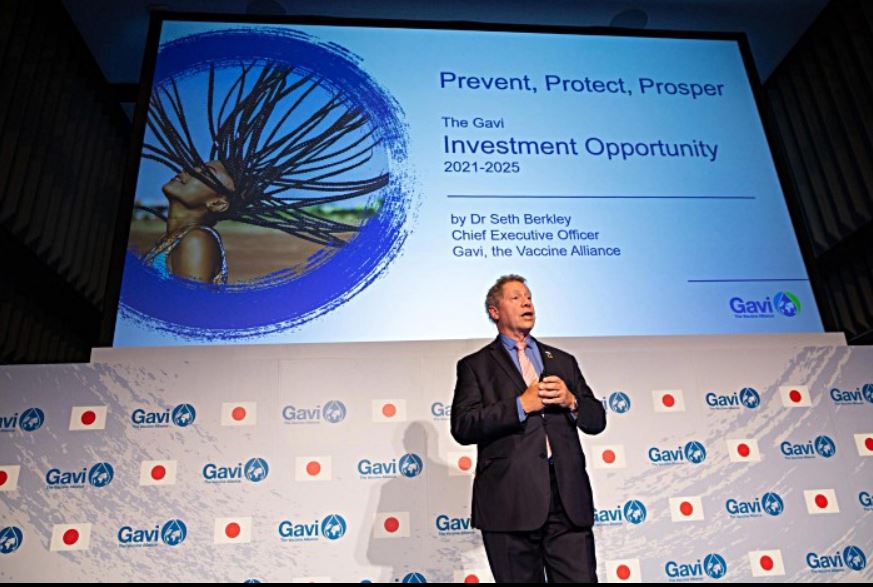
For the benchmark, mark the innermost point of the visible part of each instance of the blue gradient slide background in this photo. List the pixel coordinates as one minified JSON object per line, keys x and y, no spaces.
{"x":694,"y":234}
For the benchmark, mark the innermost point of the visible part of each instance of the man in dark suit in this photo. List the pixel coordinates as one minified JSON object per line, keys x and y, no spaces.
{"x":522,"y":402}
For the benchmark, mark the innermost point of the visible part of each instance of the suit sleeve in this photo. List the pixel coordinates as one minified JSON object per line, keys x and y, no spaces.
{"x":473,"y":423}
{"x":590,"y":415}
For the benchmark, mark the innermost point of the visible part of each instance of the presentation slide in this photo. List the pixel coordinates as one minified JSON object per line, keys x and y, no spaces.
{"x":313,"y":183}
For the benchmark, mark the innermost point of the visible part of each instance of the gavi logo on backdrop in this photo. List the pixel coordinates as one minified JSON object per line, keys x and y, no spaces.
{"x":822,"y":447}
{"x":747,"y":398}
{"x":441,"y":412}
{"x":332,"y":412}
{"x":858,"y":396}
{"x":633,"y":512}
{"x":619,"y":402}
{"x":712,"y":566}
{"x":851,"y":558}
{"x":99,"y":475}
{"x":771,"y":504}
{"x":693,"y":452}
{"x":182,"y":416}
{"x":331,"y":528}
{"x":447,"y":525}
{"x":254,"y":470}
{"x":11,"y":538}
{"x":409,"y":466}
{"x":28,"y":420}
{"x":171,"y":533}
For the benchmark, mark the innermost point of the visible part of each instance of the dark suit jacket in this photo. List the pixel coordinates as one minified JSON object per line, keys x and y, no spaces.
{"x":511,"y":492}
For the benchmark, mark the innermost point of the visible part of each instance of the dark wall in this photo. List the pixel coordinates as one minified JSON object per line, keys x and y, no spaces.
{"x":822,"y":99}
{"x":63,"y":146}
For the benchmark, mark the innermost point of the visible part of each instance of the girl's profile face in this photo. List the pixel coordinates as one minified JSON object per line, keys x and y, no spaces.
{"x":193,"y":193}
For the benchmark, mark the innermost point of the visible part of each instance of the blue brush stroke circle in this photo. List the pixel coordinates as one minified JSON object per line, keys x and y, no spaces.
{"x":197,"y":311}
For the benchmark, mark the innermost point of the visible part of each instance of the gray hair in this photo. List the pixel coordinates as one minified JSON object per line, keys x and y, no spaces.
{"x":496,"y":291}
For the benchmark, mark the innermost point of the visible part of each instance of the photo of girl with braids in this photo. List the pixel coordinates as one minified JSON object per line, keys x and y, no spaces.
{"x":290,"y":175}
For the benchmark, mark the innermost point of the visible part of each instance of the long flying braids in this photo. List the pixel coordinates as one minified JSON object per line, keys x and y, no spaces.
{"x":279,"y":170}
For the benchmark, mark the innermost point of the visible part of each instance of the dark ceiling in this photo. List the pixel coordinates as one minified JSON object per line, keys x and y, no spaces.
{"x":115,"y":30}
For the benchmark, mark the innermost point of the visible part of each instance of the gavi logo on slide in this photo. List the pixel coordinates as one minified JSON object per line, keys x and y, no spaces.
{"x":784,"y":303}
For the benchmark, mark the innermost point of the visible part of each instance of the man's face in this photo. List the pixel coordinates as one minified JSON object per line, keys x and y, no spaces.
{"x":515,"y":310}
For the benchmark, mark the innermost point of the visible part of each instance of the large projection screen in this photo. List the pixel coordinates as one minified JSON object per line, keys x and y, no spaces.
{"x":328,"y":182}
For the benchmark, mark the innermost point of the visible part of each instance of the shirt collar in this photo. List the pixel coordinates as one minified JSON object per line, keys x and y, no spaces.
{"x":509,"y":343}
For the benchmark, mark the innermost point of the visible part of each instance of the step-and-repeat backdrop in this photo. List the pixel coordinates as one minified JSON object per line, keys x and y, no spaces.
{"x":717,"y":464}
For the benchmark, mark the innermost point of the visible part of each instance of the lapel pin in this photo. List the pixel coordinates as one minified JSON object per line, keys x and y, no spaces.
{"x":549,"y":355}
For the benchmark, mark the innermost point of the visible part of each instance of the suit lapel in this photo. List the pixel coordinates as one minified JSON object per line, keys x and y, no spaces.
{"x":502,"y":357}
{"x":546,"y":356}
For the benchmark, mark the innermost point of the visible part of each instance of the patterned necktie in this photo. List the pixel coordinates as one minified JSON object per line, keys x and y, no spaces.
{"x":529,"y":374}
{"x":528,"y":371}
